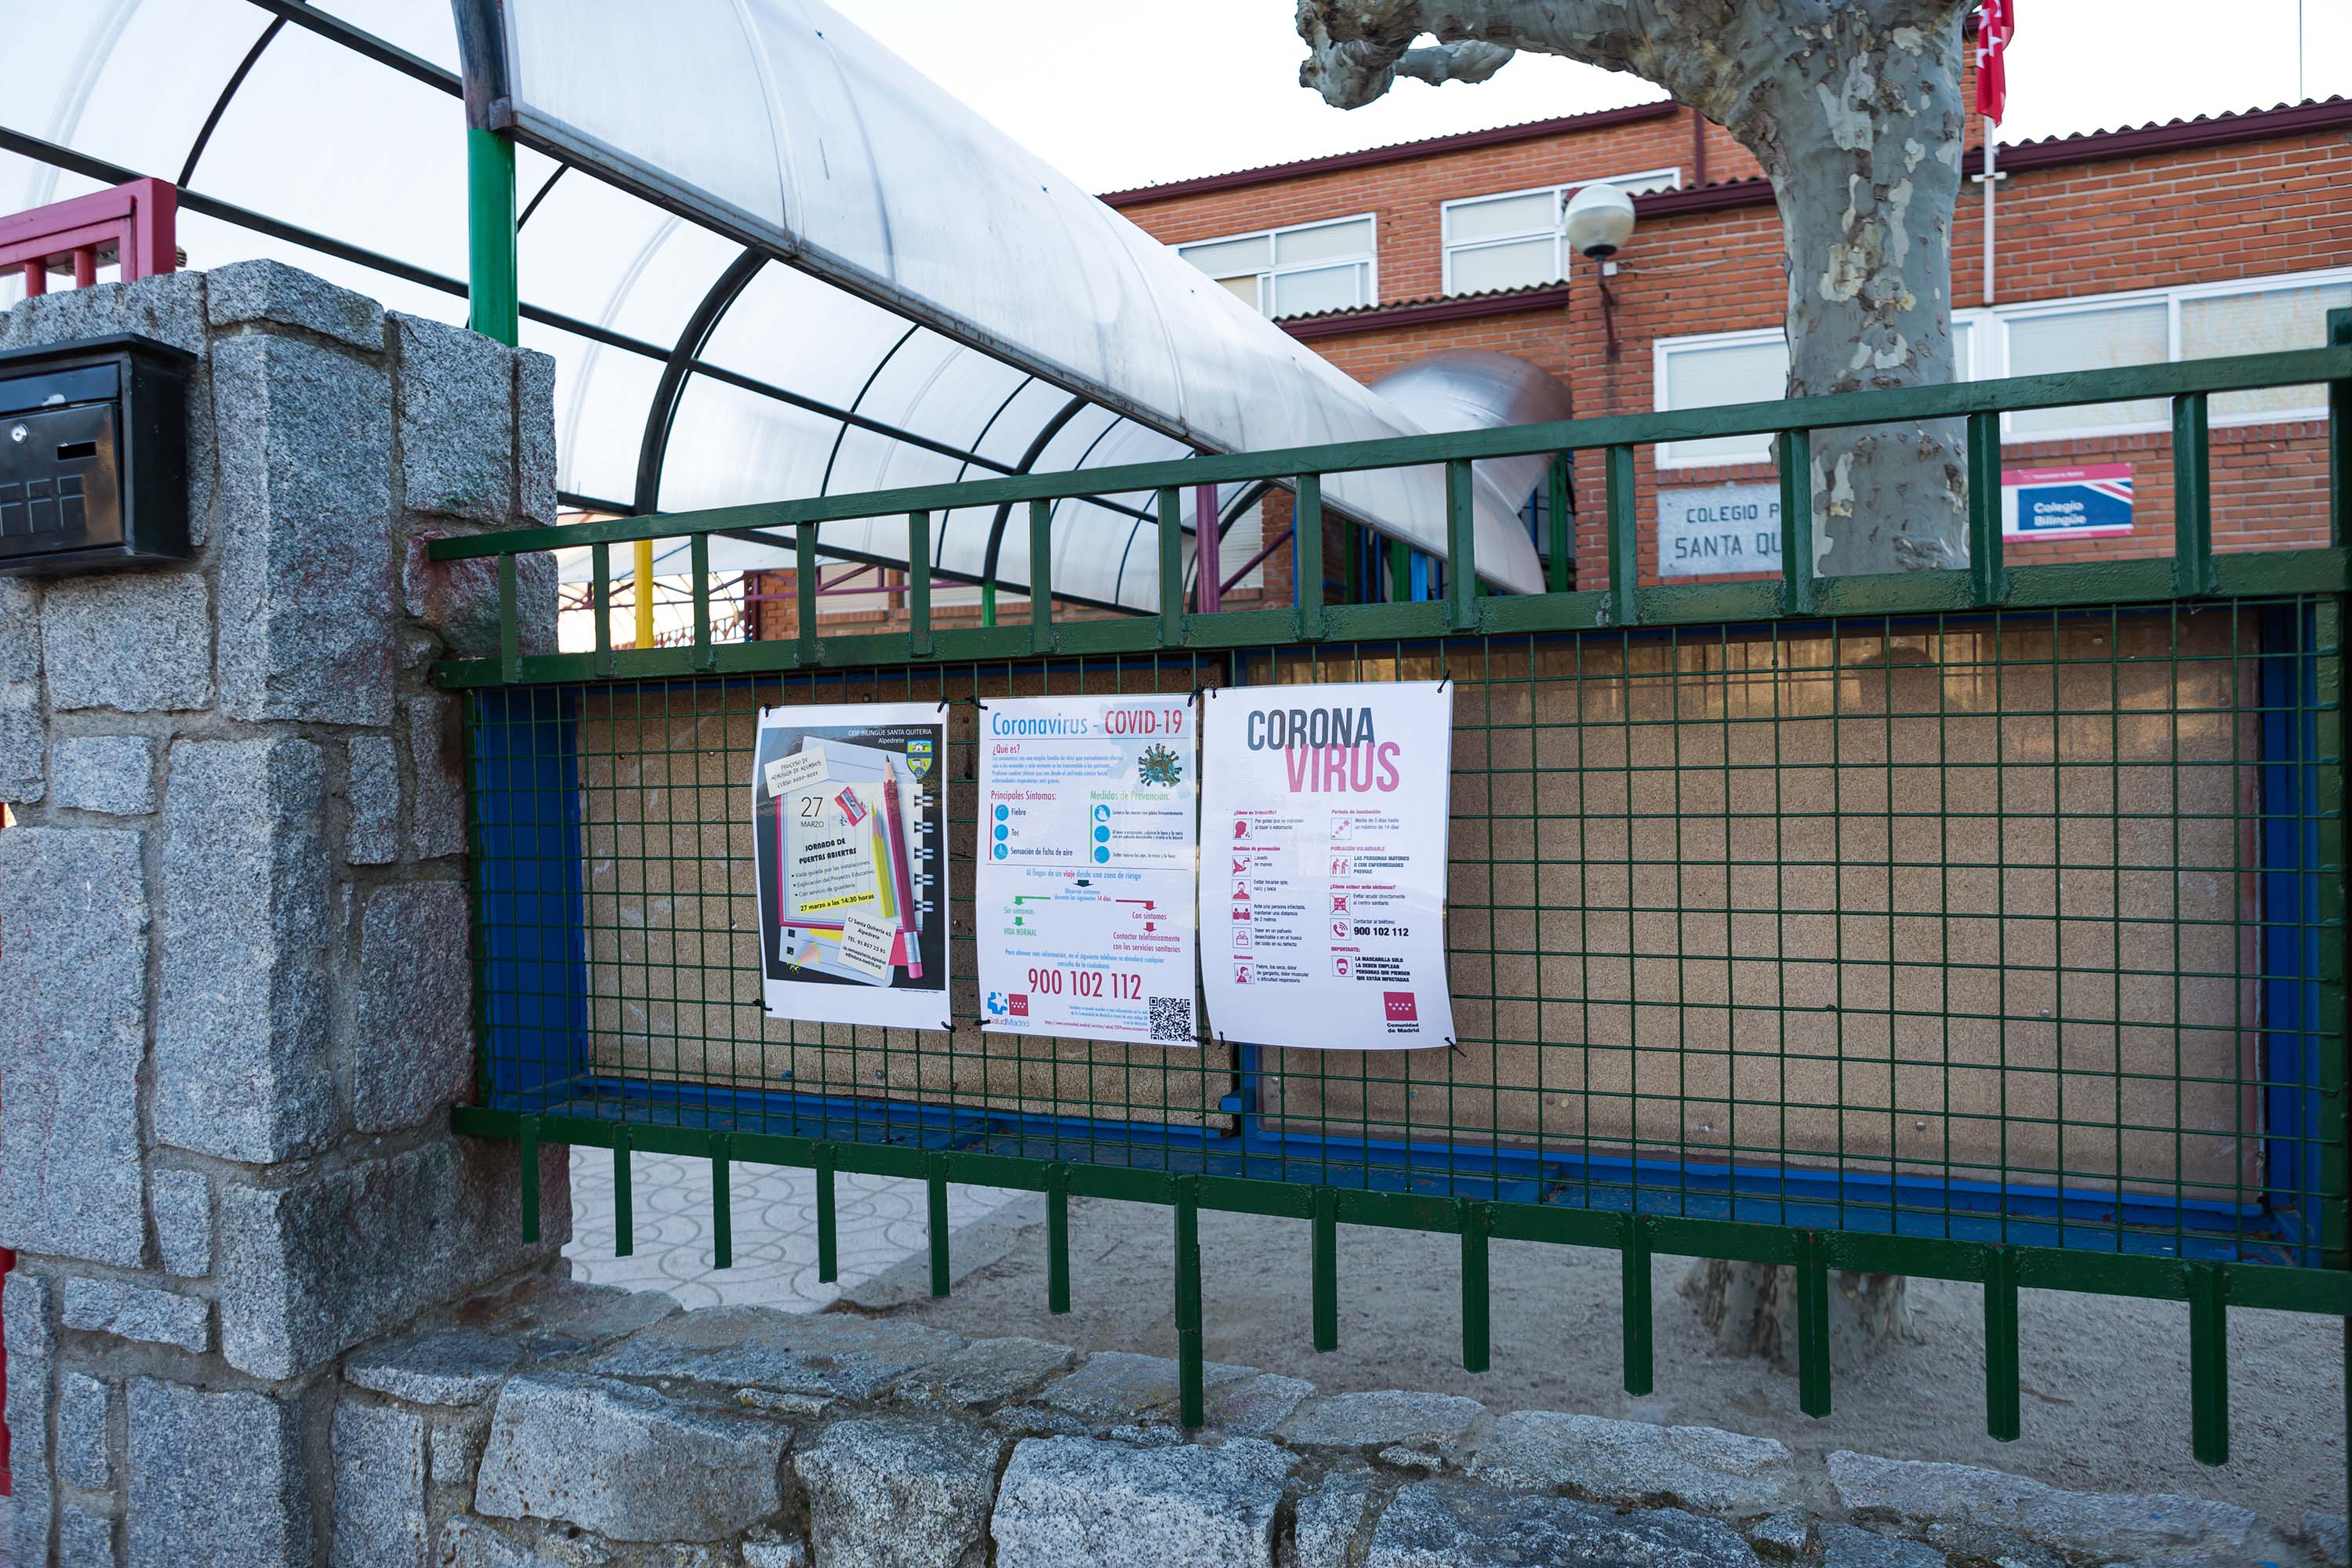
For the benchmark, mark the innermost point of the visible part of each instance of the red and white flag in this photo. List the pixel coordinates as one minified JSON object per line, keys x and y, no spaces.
{"x":1996,"y":24}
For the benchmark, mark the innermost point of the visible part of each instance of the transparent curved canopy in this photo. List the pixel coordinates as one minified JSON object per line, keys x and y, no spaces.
{"x":771,"y":261}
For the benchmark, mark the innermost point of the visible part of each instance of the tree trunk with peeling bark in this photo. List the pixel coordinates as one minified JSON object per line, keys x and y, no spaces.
{"x":1854,"y":111}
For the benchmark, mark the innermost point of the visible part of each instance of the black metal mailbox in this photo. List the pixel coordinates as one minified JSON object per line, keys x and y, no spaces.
{"x":93,"y":455}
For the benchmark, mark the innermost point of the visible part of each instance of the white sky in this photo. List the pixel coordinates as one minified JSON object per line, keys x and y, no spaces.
{"x":1119,"y":92}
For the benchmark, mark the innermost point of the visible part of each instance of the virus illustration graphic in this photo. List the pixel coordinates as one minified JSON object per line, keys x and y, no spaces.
{"x":1158,"y":765}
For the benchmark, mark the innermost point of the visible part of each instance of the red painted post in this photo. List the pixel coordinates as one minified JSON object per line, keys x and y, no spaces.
{"x":1207,"y":557}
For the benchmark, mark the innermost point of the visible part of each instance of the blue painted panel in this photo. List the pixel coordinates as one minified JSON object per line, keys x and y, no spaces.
{"x":531,"y":913}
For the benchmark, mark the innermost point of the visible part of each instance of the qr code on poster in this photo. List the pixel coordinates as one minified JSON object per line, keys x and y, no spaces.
{"x":1172,"y":1020}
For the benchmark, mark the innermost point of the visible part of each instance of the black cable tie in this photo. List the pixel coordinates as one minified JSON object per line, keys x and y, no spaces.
{"x":1444,"y":681}
{"x":1455,"y":1046}
{"x":945,"y":703}
{"x":949,"y":1025}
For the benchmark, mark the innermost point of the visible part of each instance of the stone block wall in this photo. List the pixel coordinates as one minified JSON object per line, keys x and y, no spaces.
{"x":236,"y":990}
{"x":568,"y":1425}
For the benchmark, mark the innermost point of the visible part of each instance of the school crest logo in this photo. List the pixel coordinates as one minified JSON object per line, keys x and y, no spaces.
{"x":919,"y":757}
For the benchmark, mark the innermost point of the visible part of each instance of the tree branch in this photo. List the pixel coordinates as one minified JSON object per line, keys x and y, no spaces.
{"x":1471,"y":60}
{"x":1705,"y":52}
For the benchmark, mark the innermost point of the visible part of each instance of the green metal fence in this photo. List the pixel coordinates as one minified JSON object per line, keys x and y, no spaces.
{"x":1982,"y":925}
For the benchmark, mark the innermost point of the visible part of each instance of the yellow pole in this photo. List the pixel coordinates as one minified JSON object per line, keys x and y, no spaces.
{"x":645,"y":593}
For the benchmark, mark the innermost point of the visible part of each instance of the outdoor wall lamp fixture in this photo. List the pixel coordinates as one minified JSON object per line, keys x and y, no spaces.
{"x":1599,"y":221}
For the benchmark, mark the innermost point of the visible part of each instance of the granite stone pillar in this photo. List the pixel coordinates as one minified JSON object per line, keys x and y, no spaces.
{"x":235,"y":987}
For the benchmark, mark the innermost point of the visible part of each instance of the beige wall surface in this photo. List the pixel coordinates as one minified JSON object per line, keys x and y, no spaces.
{"x":1970,"y":903}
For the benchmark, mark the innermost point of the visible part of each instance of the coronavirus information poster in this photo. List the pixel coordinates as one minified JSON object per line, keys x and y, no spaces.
{"x":848,"y":814}
{"x":1323,"y":826}
{"x":1088,"y":840}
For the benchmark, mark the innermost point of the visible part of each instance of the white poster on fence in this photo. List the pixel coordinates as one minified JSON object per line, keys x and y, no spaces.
{"x":1323,"y":812}
{"x":849,"y":819}
{"x":1088,"y":845}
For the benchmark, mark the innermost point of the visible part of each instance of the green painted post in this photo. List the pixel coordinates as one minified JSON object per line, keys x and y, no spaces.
{"x":624,"y":1223}
{"x":2208,"y":1363}
{"x":1058,"y":1239}
{"x":1172,"y":567}
{"x":828,"y":1217}
{"x":988,"y":603}
{"x":1325,"y":1268}
{"x":935,"y":1181}
{"x":1190,"y":1372}
{"x":1796,"y":460}
{"x":722,"y":1205}
{"x":1812,"y":1324}
{"x":1633,"y":1303}
{"x":1987,"y":582}
{"x":1400,"y":570}
{"x":807,"y":650}
{"x":1460,"y":549}
{"x":918,"y":584}
{"x":527,"y":1136}
{"x":1562,"y":565}
{"x":2004,"y":1417}
{"x":1041,"y":576}
{"x":493,"y":294}
{"x":2192,"y":498}
{"x":1624,"y":539}
{"x":698,"y":556}
{"x":1475,"y":1221}
{"x":1307,"y":555}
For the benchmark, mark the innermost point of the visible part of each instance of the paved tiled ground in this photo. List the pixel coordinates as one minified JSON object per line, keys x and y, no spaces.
{"x":881,"y":1222}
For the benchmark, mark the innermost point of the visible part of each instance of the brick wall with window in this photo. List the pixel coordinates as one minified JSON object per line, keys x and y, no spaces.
{"x":2232,"y":235}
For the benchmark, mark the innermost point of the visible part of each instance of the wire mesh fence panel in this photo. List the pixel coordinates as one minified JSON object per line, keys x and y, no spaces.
{"x":2007,"y":927}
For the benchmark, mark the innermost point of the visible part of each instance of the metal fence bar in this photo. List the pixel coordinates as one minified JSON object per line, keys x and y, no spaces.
{"x":1476,"y":1224}
{"x":697,"y":550}
{"x":1563,"y":565}
{"x":1460,"y":543}
{"x":599,"y":603}
{"x":1624,"y":537}
{"x":1324,"y":1268}
{"x":2192,"y":498}
{"x":723,"y":1203}
{"x":1057,"y":1239}
{"x":1635,"y":1308}
{"x":624,"y":1223}
{"x":1191,"y":1405}
{"x":1041,"y":575}
{"x":828,"y":1217}
{"x":806,"y":649}
{"x":1795,"y":458}
{"x":935,"y":1192}
{"x":1307,"y":555}
{"x":1988,"y":582}
{"x":2003,"y":1419}
{"x":2209,"y":1364}
{"x":918,"y":583}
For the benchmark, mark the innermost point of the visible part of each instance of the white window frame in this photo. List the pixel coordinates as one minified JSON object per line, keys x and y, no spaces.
{"x":1370,"y":258}
{"x":1642,"y":179}
{"x":1988,"y":355}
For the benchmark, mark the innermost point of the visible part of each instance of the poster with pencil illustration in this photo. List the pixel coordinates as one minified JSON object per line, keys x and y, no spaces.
{"x":849,"y":814}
